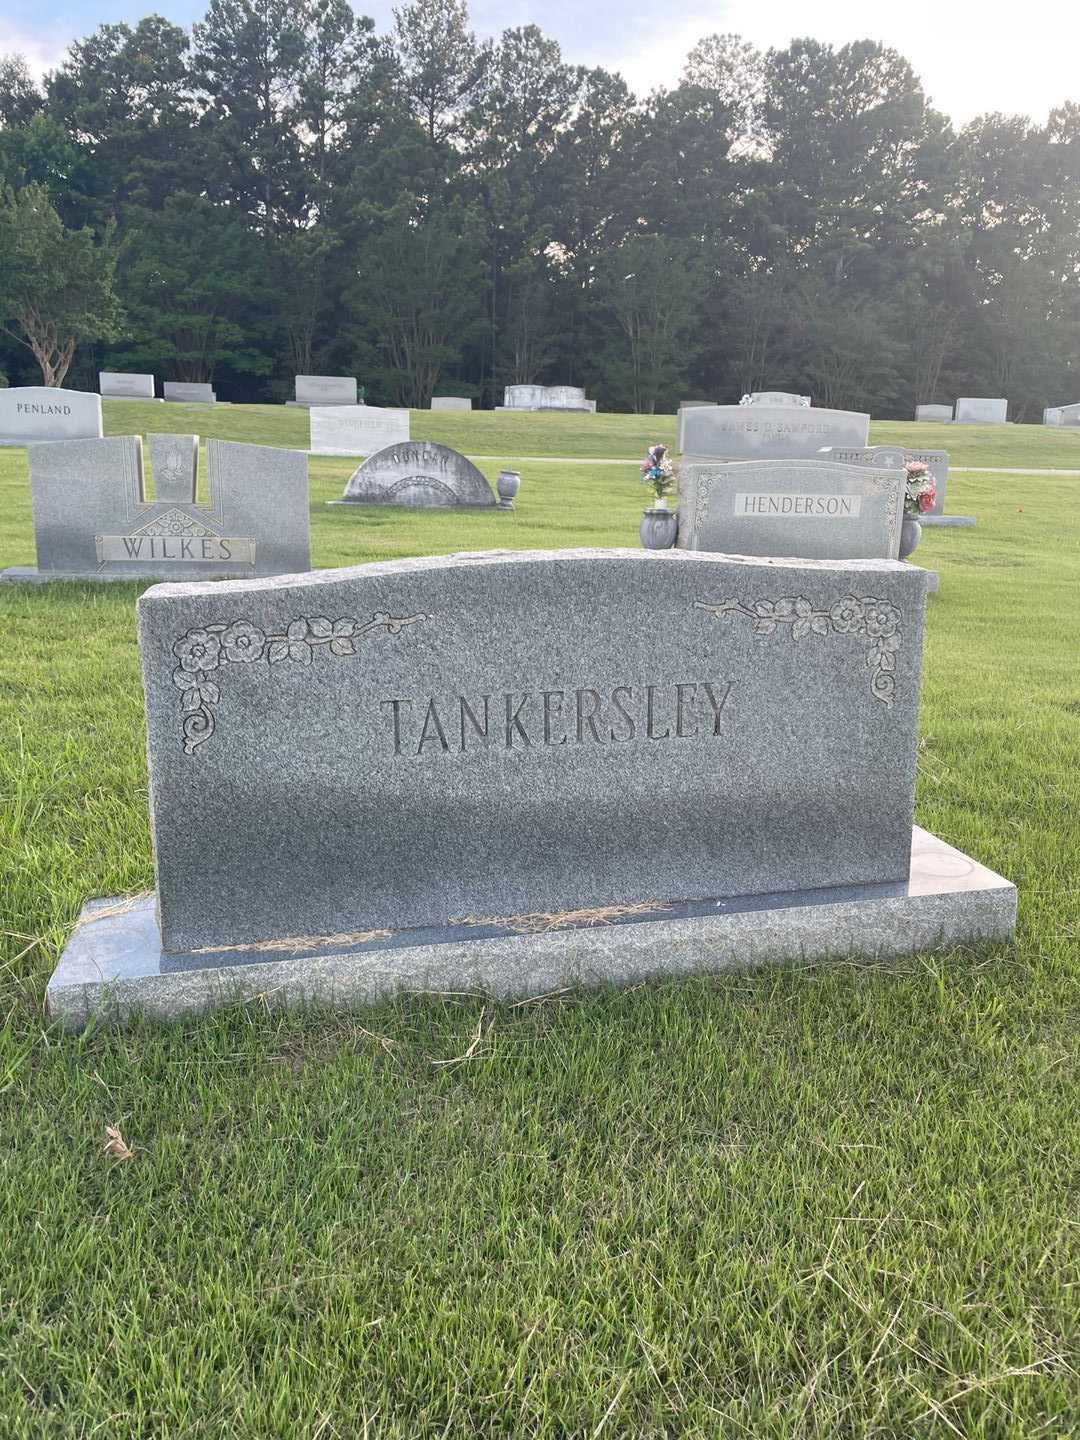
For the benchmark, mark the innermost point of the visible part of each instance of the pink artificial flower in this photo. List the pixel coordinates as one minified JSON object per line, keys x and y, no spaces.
{"x":926,"y":501}
{"x":916,"y":467}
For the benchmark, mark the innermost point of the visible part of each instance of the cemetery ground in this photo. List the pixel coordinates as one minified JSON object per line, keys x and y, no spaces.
{"x":835,"y":1201}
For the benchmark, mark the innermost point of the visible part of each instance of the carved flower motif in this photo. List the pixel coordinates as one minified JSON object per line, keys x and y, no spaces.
{"x":198,"y":650}
{"x":881,"y":618}
{"x":846,"y":615}
{"x":243,"y":642}
{"x":296,"y":635}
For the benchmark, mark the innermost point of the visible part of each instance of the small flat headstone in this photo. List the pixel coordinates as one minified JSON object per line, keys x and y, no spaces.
{"x":119,"y":385}
{"x":35,"y":414}
{"x":450,"y":402}
{"x":936,"y":413}
{"x":768,"y":432}
{"x":418,"y":473}
{"x":189,"y":392}
{"x":812,"y":508}
{"x":978,"y":410}
{"x":355,"y":429}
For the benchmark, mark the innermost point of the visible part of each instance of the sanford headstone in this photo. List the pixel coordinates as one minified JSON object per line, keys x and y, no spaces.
{"x":355,"y":429}
{"x":93,"y":518}
{"x":33,"y":414}
{"x":767,"y":432}
{"x":811,"y":508}
{"x":417,"y":473}
{"x":117,"y":385}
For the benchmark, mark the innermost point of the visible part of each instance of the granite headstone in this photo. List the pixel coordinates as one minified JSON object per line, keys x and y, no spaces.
{"x":418,"y":473}
{"x":1052,"y":415}
{"x":93,"y":518}
{"x":546,"y":397}
{"x":778,"y":397}
{"x":767,"y":432}
{"x":886,"y":457}
{"x":189,"y":392}
{"x":324,"y":390}
{"x":119,"y":385}
{"x":936,"y":413}
{"x":356,"y":429}
{"x":32,"y":414}
{"x":810,"y":508}
{"x":978,"y":410}
{"x":1070,"y":415}
{"x":450,"y":402}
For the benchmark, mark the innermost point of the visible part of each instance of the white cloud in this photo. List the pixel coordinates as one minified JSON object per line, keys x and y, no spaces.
{"x":41,"y":52}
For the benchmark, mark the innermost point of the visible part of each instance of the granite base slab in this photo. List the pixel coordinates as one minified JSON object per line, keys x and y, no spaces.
{"x":31,"y":575}
{"x":113,"y":965}
{"x":947,"y":521}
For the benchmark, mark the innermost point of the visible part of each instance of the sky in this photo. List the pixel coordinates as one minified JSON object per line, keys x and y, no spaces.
{"x":972,"y":58}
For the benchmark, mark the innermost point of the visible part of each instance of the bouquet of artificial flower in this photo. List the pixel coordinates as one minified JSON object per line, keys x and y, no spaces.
{"x":658,"y":471}
{"x":920,"y":493}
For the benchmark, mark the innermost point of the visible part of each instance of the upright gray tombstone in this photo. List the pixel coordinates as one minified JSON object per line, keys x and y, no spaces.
{"x":935,"y":413}
{"x":34,"y":414}
{"x":117,"y":385}
{"x":1070,"y":415}
{"x":189,"y":392}
{"x":324,"y":390}
{"x":450,"y":402}
{"x":1052,"y":415}
{"x":355,"y":429}
{"x":417,"y":473}
{"x":978,"y":410}
{"x":767,"y":432}
{"x":366,"y":780}
{"x":546,"y":397}
{"x":885,"y":457}
{"x":778,"y":397}
{"x":810,"y":508}
{"x":93,"y":520}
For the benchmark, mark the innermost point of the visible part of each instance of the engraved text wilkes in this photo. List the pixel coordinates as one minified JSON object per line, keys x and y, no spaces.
{"x":523,"y":719}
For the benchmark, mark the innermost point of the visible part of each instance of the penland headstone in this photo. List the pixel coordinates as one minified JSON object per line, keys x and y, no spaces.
{"x":435,"y":774}
{"x":93,"y":518}
{"x":355,"y":429}
{"x":937,"y":413}
{"x":324,"y":390}
{"x":815,"y":509}
{"x":417,"y":473}
{"x":767,"y":432}
{"x":189,"y":392}
{"x":117,"y":385}
{"x":450,"y":402}
{"x":978,"y":410}
{"x":32,"y":414}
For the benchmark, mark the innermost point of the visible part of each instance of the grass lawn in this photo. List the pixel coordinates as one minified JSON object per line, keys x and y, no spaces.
{"x":834,"y":1202}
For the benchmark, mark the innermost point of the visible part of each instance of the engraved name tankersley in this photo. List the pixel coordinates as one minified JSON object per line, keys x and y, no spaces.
{"x":527,"y":719}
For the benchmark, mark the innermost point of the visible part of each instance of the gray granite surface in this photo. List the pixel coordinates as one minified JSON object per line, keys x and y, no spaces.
{"x":978,"y":410}
{"x":114,"y":965}
{"x":120,"y":385}
{"x":356,"y":429}
{"x":940,"y":413}
{"x":412,"y":741}
{"x":417,"y":473}
{"x":813,"y":508}
{"x":767,"y":432}
{"x":92,"y":518}
{"x":451,"y":402}
{"x":325,"y":389}
{"x":34,"y":414}
{"x":190,"y":392}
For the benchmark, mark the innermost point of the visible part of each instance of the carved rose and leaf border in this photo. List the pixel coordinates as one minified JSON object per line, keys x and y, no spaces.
{"x":208,"y":649}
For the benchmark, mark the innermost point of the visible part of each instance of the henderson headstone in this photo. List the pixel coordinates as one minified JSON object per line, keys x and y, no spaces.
{"x":369,"y":780}
{"x":767,"y":432}
{"x":189,"y":392}
{"x":93,"y":518}
{"x":31,"y":414}
{"x":117,"y":385}
{"x":418,"y":473}
{"x":881,"y":457}
{"x":450,"y":402}
{"x":811,"y":508}
{"x":355,"y":429}
{"x":941,"y":413}
{"x":977,"y":410}
{"x":324,"y":390}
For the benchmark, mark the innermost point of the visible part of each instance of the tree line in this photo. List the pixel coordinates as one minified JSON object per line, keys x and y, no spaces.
{"x":284,"y":190}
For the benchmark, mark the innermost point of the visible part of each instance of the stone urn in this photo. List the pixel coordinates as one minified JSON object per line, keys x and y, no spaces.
{"x":910,"y":535}
{"x":507,"y":485}
{"x":659,"y":527}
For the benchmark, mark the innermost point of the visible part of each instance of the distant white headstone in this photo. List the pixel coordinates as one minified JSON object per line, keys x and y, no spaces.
{"x":1052,"y":415}
{"x":1070,"y":415}
{"x":356,"y":429}
{"x":928,"y":413}
{"x":116,"y":385}
{"x":190,"y":392}
{"x":450,"y":402}
{"x":977,"y":410}
{"x":777,"y":397}
{"x":546,"y":397}
{"x":33,"y":413}
{"x":325,"y":390}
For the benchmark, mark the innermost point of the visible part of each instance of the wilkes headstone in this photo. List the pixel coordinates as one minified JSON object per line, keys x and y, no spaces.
{"x":418,"y":473}
{"x":94,"y":518}
{"x":33,"y":414}
{"x":811,"y":508}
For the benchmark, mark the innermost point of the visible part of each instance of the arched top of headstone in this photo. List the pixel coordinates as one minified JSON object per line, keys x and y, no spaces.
{"x":418,"y":473}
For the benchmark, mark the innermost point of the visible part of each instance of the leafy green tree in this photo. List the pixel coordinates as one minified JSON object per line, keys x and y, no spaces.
{"x":56,"y":285}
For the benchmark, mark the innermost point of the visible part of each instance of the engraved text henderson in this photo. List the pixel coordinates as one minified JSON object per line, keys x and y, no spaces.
{"x":523,"y":719}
